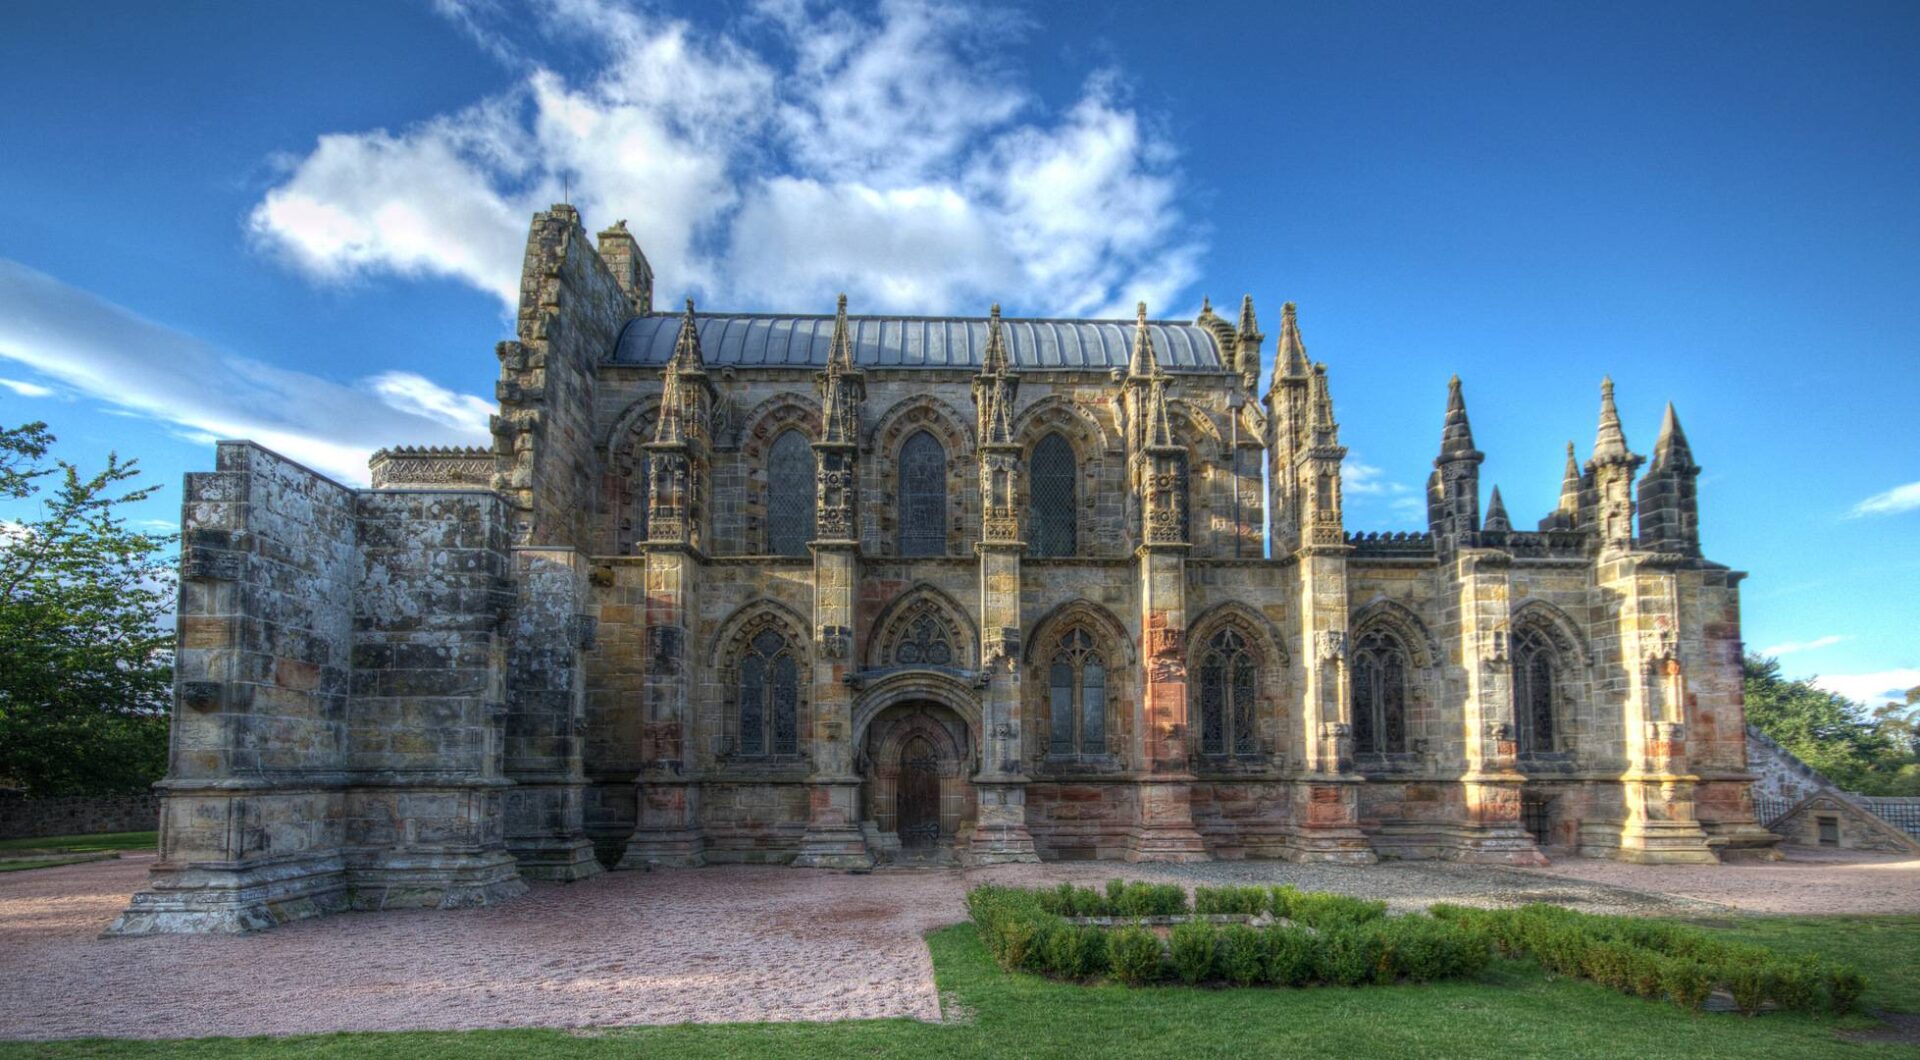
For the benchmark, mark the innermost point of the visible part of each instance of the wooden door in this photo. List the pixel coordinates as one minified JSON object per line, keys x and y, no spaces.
{"x":919,"y":795}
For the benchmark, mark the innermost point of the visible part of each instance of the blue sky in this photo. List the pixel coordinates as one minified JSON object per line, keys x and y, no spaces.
{"x":301,"y":224}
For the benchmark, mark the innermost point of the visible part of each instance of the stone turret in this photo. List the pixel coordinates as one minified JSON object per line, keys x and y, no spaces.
{"x":1609,"y":493}
{"x":1566,"y":515}
{"x":678,"y":451}
{"x":1287,"y":415}
{"x":1457,"y":474}
{"x":842,"y":388}
{"x":1669,"y":498}
{"x":621,"y":253}
{"x":1247,"y":340}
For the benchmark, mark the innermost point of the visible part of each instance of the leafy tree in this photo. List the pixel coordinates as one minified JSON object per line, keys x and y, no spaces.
{"x":85,"y":667}
{"x":1872,"y":754}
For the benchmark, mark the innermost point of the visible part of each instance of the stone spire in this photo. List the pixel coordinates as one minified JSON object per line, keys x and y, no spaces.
{"x":671,"y":427}
{"x":1497,"y":520}
{"x":1322,"y":428}
{"x":1291,"y":358}
{"x":1143,"y":364}
{"x":841,"y":386}
{"x":1247,"y":340}
{"x":994,"y":387}
{"x":1610,"y":443}
{"x":1458,"y":472}
{"x":1570,"y":484}
{"x":1669,"y":495}
{"x":1671,"y":452}
{"x":686,"y":347}
{"x":1159,"y":427}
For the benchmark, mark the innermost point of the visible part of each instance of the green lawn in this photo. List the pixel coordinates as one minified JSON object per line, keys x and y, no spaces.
{"x":1512,"y":1010}
{"x":84,"y":844}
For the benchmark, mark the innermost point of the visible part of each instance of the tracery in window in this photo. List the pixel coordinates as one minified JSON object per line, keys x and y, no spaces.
{"x":1229,"y":686}
{"x":1052,"y":517}
{"x":790,"y":494}
{"x":922,"y":496}
{"x":925,"y":644}
{"x":1077,"y":697}
{"x":1533,"y":691}
{"x":769,"y":697}
{"x":1379,"y":667}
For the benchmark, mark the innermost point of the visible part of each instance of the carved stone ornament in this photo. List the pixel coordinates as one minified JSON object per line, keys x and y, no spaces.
{"x":1663,"y":644}
{"x":1166,"y":642}
{"x":1499,"y":730}
{"x":1493,"y":646}
{"x":836,"y":642}
{"x":1330,"y":645}
{"x":1002,"y":646}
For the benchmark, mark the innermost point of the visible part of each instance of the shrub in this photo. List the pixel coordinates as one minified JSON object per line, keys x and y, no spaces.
{"x":1346,"y":955}
{"x":1134,"y":954}
{"x":1749,"y":982}
{"x":1246,"y":901}
{"x":1796,"y":984}
{"x":1242,"y":954}
{"x":1190,"y":949}
{"x":1423,"y":949}
{"x":1844,"y":987}
{"x":1150,"y":899}
{"x":1291,"y":956}
{"x":1687,"y":981}
{"x":1068,"y":900}
{"x":1322,"y":910}
{"x":1280,"y":900}
{"x":1076,"y":952}
{"x":1646,"y":972}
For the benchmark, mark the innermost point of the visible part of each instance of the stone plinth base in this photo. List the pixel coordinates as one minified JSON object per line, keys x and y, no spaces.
{"x":405,"y":880}
{"x":1675,"y":843}
{"x":676,"y":848}
{"x":835,"y":848}
{"x":561,"y":860}
{"x":1000,"y":833}
{"x":231,"y":899}
{"x":1166,"y":831}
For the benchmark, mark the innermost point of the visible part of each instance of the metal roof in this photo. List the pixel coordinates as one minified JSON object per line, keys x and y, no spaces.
{"x":751,"y":339}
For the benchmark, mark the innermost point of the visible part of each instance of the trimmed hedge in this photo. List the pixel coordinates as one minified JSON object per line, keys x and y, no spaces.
{"x":1655,"y":960}
{"x":1350,"y":942}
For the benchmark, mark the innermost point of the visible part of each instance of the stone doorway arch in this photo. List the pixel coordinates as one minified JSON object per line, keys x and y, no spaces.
{"x":916,"y":764}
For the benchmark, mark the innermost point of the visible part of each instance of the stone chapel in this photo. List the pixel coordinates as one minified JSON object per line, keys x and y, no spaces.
{"x":835,"y":590}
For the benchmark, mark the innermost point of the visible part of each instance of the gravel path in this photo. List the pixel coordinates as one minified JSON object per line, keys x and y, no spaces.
{"x":705,"y":945}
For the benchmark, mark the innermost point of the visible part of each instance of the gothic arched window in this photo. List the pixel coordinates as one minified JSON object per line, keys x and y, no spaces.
{"x":1077,"y":697}
{"x":1380,"y":671}
{"x":1228,"y":687}
{"x":926,"y":644}
{"x":769,"y":697}
{"x":1053,"y":514}
{"x":790,"y":492}
{"x":923,"y":496}
{"x":1533,"y":691}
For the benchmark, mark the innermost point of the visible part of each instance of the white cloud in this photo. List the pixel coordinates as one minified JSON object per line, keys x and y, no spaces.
{"x":1874,"y":688}
{"x":1793,"y":646}
{"x":1892,"y":502}
{"x":145,"y":369}
{"x":897,"y":157}
{"x":25,"y":389}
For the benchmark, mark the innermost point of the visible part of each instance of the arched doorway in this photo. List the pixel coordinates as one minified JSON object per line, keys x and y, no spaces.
{"x":916,"y":759}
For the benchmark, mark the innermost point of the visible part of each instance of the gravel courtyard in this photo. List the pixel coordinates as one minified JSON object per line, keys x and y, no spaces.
{"x":707,"y":945}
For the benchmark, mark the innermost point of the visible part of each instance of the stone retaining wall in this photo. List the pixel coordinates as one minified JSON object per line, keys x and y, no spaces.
{"x":79,"y":815}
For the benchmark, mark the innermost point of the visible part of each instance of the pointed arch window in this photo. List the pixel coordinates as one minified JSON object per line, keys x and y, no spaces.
{"x":1380,"y":668}
{"x":790,"y":494}
{"x":1077,"y":697}
{"x":1052,"y":519}
{"x":769,"y":697}
{"x":922,"y":496}
{"x":925,"y":644}
{"x":1535,"y":673}
{"x":1229,"y":685}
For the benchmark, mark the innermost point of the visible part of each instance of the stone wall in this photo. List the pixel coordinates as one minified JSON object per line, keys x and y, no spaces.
{"x":77,"y":815}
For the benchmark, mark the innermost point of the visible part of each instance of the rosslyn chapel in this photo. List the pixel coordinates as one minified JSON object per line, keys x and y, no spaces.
{"x":838,"y":590}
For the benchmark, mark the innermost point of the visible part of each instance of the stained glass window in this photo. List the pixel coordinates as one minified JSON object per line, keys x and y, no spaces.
{"x":1228,"y":685}
{"x":769,"y":697}
{"x":1052,"y":518}
{"x":923,"y":496}
{"x":1533,"y":676}
{"x":1077,"y":697}
{"x":790,"y":492}
{"x":1379,"y":669}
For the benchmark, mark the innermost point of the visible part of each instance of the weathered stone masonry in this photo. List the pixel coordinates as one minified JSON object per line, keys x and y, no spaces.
{"x":833,"y":589}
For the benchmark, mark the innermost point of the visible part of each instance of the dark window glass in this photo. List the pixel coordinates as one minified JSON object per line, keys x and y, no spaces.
{"x":1060,"y":706}
{"x":1244,"y":683}
{"x":1379,"y":668}
{"x":1228,"y":687}
{"x":923,"y":496}
{"x":925,"y":644}
{"x":790,"y":492}
{"x":769,"y":697}
{"x":1533,"y":692}
{"x":1051,"y":522}
{"x":1077,"y":678}
{"x":1213,"y":706}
